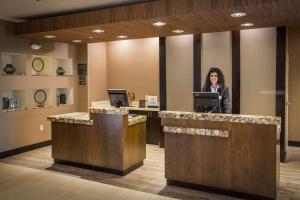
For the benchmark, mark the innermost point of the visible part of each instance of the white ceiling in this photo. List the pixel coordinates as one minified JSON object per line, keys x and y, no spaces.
{"x":20,"y":10}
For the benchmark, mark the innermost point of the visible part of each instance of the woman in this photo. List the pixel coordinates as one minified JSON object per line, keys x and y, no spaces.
{"x":215,"y":83}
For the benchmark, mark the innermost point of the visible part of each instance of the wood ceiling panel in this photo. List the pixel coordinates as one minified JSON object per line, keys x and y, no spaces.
{"x":135,"y":21}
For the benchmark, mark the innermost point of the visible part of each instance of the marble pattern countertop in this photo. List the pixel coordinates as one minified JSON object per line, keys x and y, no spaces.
{"x":108,"y":110}
{"x":252,"y":119}
{"x":143,"y":109}
{"x":114,"y":110}
{"x":73,"y":118}
{"x":84,"y":118}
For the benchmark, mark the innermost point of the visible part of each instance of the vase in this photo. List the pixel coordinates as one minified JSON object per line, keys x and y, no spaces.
{"x":62,"y":99}
{"x":9,"y":69}
{"x":60,"y":71}
{"x":5,"y":103}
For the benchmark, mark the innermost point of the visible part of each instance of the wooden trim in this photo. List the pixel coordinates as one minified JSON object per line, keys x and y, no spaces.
{"x":197,"y":62}
{"x":215,"y":190}
{"x":236,"y":72}
{"x":280,"y":86}
{"x":24,"y":149}
{"x":294,"y":143}
{"x":149,"y":10}
{"x":162,"y":74}
{"x":102,"y":169}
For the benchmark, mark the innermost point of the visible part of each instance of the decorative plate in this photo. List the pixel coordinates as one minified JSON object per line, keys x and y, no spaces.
{"x":38,"y":64}
{"x":40,"y":97}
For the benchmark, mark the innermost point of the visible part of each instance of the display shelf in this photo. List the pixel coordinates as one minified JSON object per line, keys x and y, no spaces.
{"x":13,"y":100}
{"x":18,"y":61}
{"x":42,"y":64}
{"x":66,"y":64}
{"x":36,"y":107}
{"x":60,"y":100}
{"x":48,"y":102}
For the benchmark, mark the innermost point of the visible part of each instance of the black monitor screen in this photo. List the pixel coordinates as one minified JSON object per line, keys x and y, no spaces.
{"x":118,"y":97}
{"x":206,"y":102}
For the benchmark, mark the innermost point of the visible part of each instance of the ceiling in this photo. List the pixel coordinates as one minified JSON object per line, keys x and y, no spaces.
{"x":135,"y":20}
{"x":22,"y":10}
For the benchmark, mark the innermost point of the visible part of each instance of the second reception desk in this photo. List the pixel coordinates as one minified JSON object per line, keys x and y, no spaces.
{"x":230,"y":152}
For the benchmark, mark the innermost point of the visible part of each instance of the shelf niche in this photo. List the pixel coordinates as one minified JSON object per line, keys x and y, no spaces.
{"x":47,"y":65}
{"x":16,"y":96}
{"x":66,"y":64}
{"x":47,"y":103}
{"x":18,"y":61}
{"x":68,"y":92}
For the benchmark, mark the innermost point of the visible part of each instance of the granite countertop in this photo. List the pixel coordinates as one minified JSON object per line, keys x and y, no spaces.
{"x":252,"y":119}
{"x":108,"y":110}
{"x":114,"y":110}
{"x":84,"y":118}
{"x":73,"y":118}
{"x":142,"y":109}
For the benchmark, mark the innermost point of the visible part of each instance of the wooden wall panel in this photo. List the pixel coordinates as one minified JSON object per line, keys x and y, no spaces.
{"x":194,"y":16}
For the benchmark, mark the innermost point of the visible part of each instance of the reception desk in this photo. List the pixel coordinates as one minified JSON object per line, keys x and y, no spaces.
{"x":238,"y":153}
{"x":105,"y":138}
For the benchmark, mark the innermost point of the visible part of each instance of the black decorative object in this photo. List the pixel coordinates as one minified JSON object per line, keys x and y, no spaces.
{"x":38,"y":65}
{"x":60,"y":71}
{"x":5,"y":103}
{"x":82,"y":69}
{"x":82,"y":72}
{"x":142,"y":103}
{"x":40,"y":97}
{"x":9,"y":69}
{"x":62,"y":99}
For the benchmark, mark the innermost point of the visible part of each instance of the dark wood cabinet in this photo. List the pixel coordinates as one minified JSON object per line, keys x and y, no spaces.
{"x":154,"y":132}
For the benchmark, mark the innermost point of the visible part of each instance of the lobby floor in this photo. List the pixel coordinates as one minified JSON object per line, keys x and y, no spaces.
{"x":148,"y":179}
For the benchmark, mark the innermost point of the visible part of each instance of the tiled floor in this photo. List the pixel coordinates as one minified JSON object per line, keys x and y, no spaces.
{"x":150,"y":177}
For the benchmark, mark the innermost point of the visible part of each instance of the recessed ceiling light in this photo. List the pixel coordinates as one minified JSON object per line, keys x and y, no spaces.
{"x":50,"y":36}
{"x":247,"y":24}
{"x":178,"y":31}
{"x":35,"y":46}
{"x":122,"y":36}
{"x":238,"y":14}
{"x":98,"y":31}
{"x":91,"y":37}
{"x":76,"y":41}
{"x":158,"y":23}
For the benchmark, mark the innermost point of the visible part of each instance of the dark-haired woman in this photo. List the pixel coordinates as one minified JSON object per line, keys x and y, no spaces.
{"x":215,"y":82}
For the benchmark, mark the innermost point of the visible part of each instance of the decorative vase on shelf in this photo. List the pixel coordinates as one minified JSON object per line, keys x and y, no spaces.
{"x":9,"y":69}
{"x":62,"y":99}
{"x":60,"y":71}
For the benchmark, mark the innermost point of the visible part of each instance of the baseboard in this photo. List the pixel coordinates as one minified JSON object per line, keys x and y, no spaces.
{"x":294,"y":143}
{"x":102,"y":169}
{"x":217,"y":190}
{"x":24,"y":149}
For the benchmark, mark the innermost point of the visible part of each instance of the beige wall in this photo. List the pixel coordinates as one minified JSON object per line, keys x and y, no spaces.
{"x":97,"y":72}
{"x":216,"y":52}
{"x":294,"y":82}
{"x":134,"y":65}
{"x":258,"y":71}
{"x":179,"y":60}
{"x":82,"y":89}
{"x":23,"y":127}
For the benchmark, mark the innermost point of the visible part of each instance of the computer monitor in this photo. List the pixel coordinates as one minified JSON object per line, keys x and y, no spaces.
{"x":206,"y":102}
{"x":118,"y":97}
